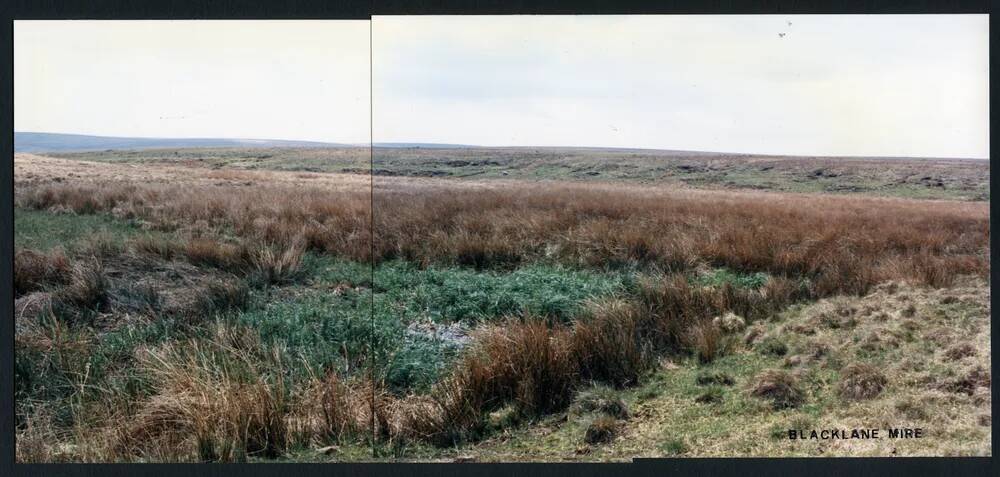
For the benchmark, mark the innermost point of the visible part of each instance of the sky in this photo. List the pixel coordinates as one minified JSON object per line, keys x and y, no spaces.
{"x":875,"y":85}
{"x":871,"y":85}
{"x":301,"y":80}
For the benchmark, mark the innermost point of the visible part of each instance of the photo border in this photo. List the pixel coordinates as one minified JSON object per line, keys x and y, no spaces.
{"x":318,"y":9}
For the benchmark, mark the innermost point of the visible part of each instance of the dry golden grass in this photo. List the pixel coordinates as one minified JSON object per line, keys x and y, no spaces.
{"x":270,"y":263}
{"x":344,"y":407}
{"x":156,"y":247}
{"x":844,"y":244}
{"x":33,"y":270}
{"x":607,"y":343}
{"x":214,"y":402}
{"x":87,"y":290}
{"x":281,"y":211}
{"x":707,"y":340}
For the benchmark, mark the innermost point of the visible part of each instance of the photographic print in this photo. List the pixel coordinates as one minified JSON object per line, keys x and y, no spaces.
{"x":504,"y":239}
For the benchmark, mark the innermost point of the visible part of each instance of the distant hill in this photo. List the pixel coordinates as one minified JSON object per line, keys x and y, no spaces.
{"x":54,"y":142}
{"x":422,"y":145}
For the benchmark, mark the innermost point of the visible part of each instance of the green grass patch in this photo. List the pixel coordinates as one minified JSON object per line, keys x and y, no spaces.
{"x":43,"y":230}
{"x":406,"y":294}
{"x":457,"y":294}
{"x":318,"y":330}
{"x":325,"y":328}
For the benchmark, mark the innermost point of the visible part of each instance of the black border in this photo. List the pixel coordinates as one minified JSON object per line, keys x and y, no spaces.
{"x":364,"y":9}
{"x":191,"y":9}
{"x":319,"y":9}
{"x":675,"y":7}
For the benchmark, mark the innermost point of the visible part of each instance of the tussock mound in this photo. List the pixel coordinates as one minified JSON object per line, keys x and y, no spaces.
{"x":960,"y":351}
{"x":600,"y":399}
{"x":601,"y":430}
{"x":861,"y":381}
{"x":779,"y":387}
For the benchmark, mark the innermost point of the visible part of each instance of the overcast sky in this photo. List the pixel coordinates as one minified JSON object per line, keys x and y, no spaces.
{"x":305,"y":80}
{"x":832,"y":85}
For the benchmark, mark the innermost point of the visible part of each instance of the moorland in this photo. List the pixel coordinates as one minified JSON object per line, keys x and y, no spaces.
{"x":344,"y":304}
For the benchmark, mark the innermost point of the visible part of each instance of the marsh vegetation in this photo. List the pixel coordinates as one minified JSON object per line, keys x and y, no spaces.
{"x":192,"y":310}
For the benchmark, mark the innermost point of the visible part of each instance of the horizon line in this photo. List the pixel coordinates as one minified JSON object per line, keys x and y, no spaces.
{"x":453,"y":145}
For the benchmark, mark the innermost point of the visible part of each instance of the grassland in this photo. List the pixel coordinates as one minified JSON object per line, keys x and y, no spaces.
{"x":171,"y":309}
{"x":940,"y":178}
{"x":894,"y":177}
{"x":333,"y":159}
